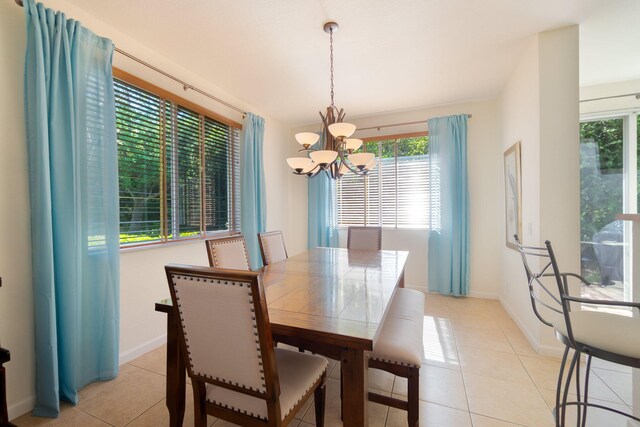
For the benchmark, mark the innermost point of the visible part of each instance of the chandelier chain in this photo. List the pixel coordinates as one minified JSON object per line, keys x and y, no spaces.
{"x":331,"y":56}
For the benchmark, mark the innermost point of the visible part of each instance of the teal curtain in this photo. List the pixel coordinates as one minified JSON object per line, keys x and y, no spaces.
{"x":322,"y":224}
{"x":253,"y":206}
{"x":449,"y":206}
{"x":73,"y":172}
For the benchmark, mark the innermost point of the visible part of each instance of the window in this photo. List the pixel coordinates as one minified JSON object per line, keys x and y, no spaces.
{"x":178,"y":169}
{"x":609,"y":172}
{"x":396,"y":193}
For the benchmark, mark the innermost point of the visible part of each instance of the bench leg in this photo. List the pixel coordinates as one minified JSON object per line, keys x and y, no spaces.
{"x":413,"y":394}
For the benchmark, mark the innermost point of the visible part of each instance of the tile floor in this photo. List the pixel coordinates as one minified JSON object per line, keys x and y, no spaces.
{"x":479,"y":370}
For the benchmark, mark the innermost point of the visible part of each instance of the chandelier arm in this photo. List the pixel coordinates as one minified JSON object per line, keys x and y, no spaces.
{"x":348,"y":164}
{"x":316,"y":169}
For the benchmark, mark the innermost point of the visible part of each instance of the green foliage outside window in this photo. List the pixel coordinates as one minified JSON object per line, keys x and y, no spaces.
{"x":601,"y":167}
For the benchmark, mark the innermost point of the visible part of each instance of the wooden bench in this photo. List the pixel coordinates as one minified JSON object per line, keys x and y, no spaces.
{"x":399,"y":349}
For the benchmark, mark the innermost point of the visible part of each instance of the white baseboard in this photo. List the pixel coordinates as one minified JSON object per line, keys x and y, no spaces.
{"x":530,"y":337}
{"x":17,"y":409}
{"x":26,"y":405}
{"x":551,"y":351}
{"x":483,"y":294}
{"x":474,"y":294}
{"x":143,"y":348}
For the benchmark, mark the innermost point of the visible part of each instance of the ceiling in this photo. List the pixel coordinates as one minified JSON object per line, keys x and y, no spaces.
{"x":389,"y":55}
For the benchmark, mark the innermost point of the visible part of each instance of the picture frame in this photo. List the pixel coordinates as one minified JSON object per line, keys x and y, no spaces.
{"x":513,"y":194}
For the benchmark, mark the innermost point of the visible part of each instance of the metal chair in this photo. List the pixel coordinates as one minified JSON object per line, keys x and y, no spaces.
{"x":236,"y":373}
{"x":367,"y":238}
{"x":606,"y":336}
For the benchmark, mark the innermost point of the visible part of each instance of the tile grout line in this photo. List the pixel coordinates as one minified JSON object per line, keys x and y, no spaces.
{"x":624,"y":402}
{"x":145,"y":411}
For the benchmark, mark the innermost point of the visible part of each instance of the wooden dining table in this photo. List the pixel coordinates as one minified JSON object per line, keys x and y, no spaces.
{"x":329,"y":301}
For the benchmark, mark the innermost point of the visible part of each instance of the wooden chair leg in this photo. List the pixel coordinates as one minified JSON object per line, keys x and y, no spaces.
{"x":413,"y":391}
{"x":319,"y":398}
{"x":199,"y":404}
{"x":341,"y":400}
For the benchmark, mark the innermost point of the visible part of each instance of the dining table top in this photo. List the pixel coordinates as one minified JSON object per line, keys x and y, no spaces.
{"x":331,"y":294}
{"x":337,"y":293}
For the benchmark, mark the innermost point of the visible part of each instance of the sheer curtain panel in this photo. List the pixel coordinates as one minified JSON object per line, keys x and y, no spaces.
{"x":73,"y":171}
{"x":322,"y":207}
{"x":449,"y":205}
{"x":253,"y":210}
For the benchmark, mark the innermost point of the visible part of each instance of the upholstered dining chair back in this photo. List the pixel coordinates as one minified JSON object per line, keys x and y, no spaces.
{"x":225,"y":325}
{"x":228,"y":252}
{"x":367,"y":238}
{"x":272,"y":247}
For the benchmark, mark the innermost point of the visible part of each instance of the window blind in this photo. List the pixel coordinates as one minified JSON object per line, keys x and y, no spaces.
{"x":140,"y":120}
{"x":179,"y":174}
{"x":395,"y":194}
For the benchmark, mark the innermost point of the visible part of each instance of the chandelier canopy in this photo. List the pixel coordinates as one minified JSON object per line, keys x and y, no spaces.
{"x":337,"y":156}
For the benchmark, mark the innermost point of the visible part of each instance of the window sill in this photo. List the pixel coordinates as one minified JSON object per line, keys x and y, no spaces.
{"x":171,"y":243}
{"x":388,"y":228}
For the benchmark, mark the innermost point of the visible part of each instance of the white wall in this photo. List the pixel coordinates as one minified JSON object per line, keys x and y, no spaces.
{"x":142,"y":277}
{"x":540,"y":108}
{"x":16,"y":296}
{"x":520,"y":106}
{"x":485,"y":168}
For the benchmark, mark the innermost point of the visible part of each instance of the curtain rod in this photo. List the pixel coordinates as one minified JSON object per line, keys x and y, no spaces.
{"x":184,"y":84}
{"x":637,"y":95}
{"x":399,"y":124}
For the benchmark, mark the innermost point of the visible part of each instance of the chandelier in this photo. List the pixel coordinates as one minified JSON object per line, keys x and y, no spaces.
{"x":337,"y":157}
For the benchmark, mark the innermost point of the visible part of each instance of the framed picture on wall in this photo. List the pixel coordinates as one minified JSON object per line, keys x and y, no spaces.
{"x":513,"y":194}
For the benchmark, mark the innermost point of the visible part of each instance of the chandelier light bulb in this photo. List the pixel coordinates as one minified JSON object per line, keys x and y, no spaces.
{"x":299,"y":164}
{"x":323,"y":157}
{"x":352,"y":144}
{"x":312,"y":165}
{"x":371,"y":165}
{"x":342,"y":130}
{"x":361,"y":160}
{"x":307,"y":139}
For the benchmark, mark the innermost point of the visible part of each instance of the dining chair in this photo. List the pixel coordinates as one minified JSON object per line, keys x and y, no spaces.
{"x":399,"y":350}
{"x":272,"y":247}
{"x":228,"y":252}
{"x":367,"y":238}
{"x":236,"y":373}
{"x":611,"y":337}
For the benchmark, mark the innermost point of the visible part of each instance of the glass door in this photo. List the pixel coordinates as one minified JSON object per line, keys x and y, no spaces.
{"x":608,"y":186}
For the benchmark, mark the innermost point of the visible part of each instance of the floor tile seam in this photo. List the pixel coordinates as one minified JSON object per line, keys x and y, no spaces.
{"x":147,"y":410}
{"x":611,"y":370}
{"x":149,"y":370}
{"x":621,"y":402}
{"x":464,"y":383}
{"x":624,"y":402}
{"x":483,"y":348}
{"x":442,"y":367}
{"x":529,"y":375}
{"x":95,"y":417}
{"x":539,"y":388}
{"x":386,"y":415}
{"x":398,"y":395}
{"x":532,"y":383}
{"x":495,"y":418}
{"x":466,"y":395}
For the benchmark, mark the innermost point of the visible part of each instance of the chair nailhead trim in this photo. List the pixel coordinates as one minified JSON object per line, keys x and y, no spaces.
{"x":255,"y":331}
{"x":215,"y":256}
